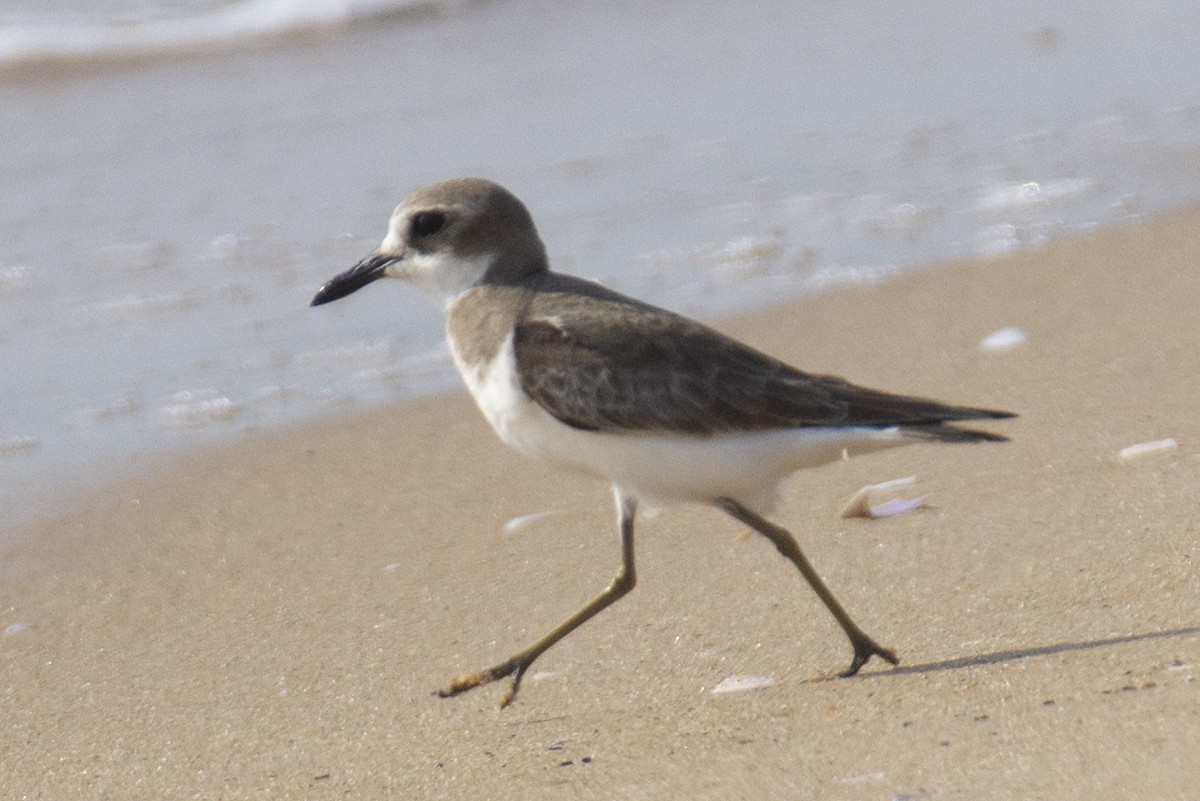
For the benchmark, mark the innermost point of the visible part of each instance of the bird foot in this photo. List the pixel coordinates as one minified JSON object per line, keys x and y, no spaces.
{"x":864,"y":649}
{"x":469,"y":681}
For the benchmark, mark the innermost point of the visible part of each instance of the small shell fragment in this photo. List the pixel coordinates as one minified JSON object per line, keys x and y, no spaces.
{"x":860,"y":504}
{"x":524,"y":521}
{"x":1003,"y":339}
{"x":1132,"y":452}
{"x":897,"y":506}
{"x":740,"y":682}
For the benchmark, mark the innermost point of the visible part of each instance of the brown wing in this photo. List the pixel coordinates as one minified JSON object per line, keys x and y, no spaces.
{"x":623,"y":366}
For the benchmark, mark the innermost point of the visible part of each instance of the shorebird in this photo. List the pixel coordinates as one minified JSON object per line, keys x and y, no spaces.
{"x":664,"y":408}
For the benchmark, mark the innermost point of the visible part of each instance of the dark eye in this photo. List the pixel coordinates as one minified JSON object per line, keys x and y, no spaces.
{"x":425,"y":223}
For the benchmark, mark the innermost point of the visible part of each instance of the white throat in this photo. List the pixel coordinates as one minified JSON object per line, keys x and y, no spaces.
{"x":441,"y":276}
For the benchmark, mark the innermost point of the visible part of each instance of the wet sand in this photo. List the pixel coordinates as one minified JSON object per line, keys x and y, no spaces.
{"x":269,"y":620}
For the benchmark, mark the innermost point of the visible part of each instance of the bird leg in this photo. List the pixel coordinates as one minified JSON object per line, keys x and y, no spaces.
{"x":518,"y":663}
{"x":864,"y":646}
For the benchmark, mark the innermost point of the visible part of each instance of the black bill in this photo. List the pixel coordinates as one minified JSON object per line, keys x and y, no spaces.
{"x":352,"y":280}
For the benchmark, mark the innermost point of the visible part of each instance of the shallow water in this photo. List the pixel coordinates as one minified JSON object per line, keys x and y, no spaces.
{"x":175,"y":200}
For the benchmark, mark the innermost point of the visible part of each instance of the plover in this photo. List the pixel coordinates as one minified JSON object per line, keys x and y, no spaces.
{"x":664,"y":408}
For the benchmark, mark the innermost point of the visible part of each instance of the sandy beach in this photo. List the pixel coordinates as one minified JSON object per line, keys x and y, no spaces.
{"x":270,"y":619}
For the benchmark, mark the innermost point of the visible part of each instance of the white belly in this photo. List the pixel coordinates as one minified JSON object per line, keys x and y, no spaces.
{"x":659,"y":468}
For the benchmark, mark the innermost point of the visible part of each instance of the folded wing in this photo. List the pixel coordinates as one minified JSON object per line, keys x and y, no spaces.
{"x":659,"y":372}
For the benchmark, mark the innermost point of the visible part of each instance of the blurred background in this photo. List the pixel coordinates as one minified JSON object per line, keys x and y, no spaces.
{"x":179,"y":178}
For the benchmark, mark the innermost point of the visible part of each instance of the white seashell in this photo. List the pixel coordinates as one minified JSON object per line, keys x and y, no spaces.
{"x":860,"y":504}
{"x":897,"y":506}
{"x":740,"y":682}
{"x":1132,"y":452}
{"x":524,"y":521}
{"x":1003,"y":339}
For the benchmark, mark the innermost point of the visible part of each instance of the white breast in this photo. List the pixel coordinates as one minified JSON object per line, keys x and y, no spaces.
{"x":497,"y":391}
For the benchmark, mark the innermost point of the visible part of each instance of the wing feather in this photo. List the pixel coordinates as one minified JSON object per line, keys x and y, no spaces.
{"x":657,"y":371}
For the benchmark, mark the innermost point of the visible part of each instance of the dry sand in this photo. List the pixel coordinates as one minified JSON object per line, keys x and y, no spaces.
{"x":269,"y":621}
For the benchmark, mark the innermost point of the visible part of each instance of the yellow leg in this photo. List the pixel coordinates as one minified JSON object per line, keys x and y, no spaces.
{"x":518,"y":663}
{"x":864,"y":646}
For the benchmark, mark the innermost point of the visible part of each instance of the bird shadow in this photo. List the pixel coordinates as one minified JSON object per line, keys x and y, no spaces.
{"x":1016,"y":654}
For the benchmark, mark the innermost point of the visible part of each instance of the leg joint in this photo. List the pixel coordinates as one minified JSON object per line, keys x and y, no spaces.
{"x":623,"y":582}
